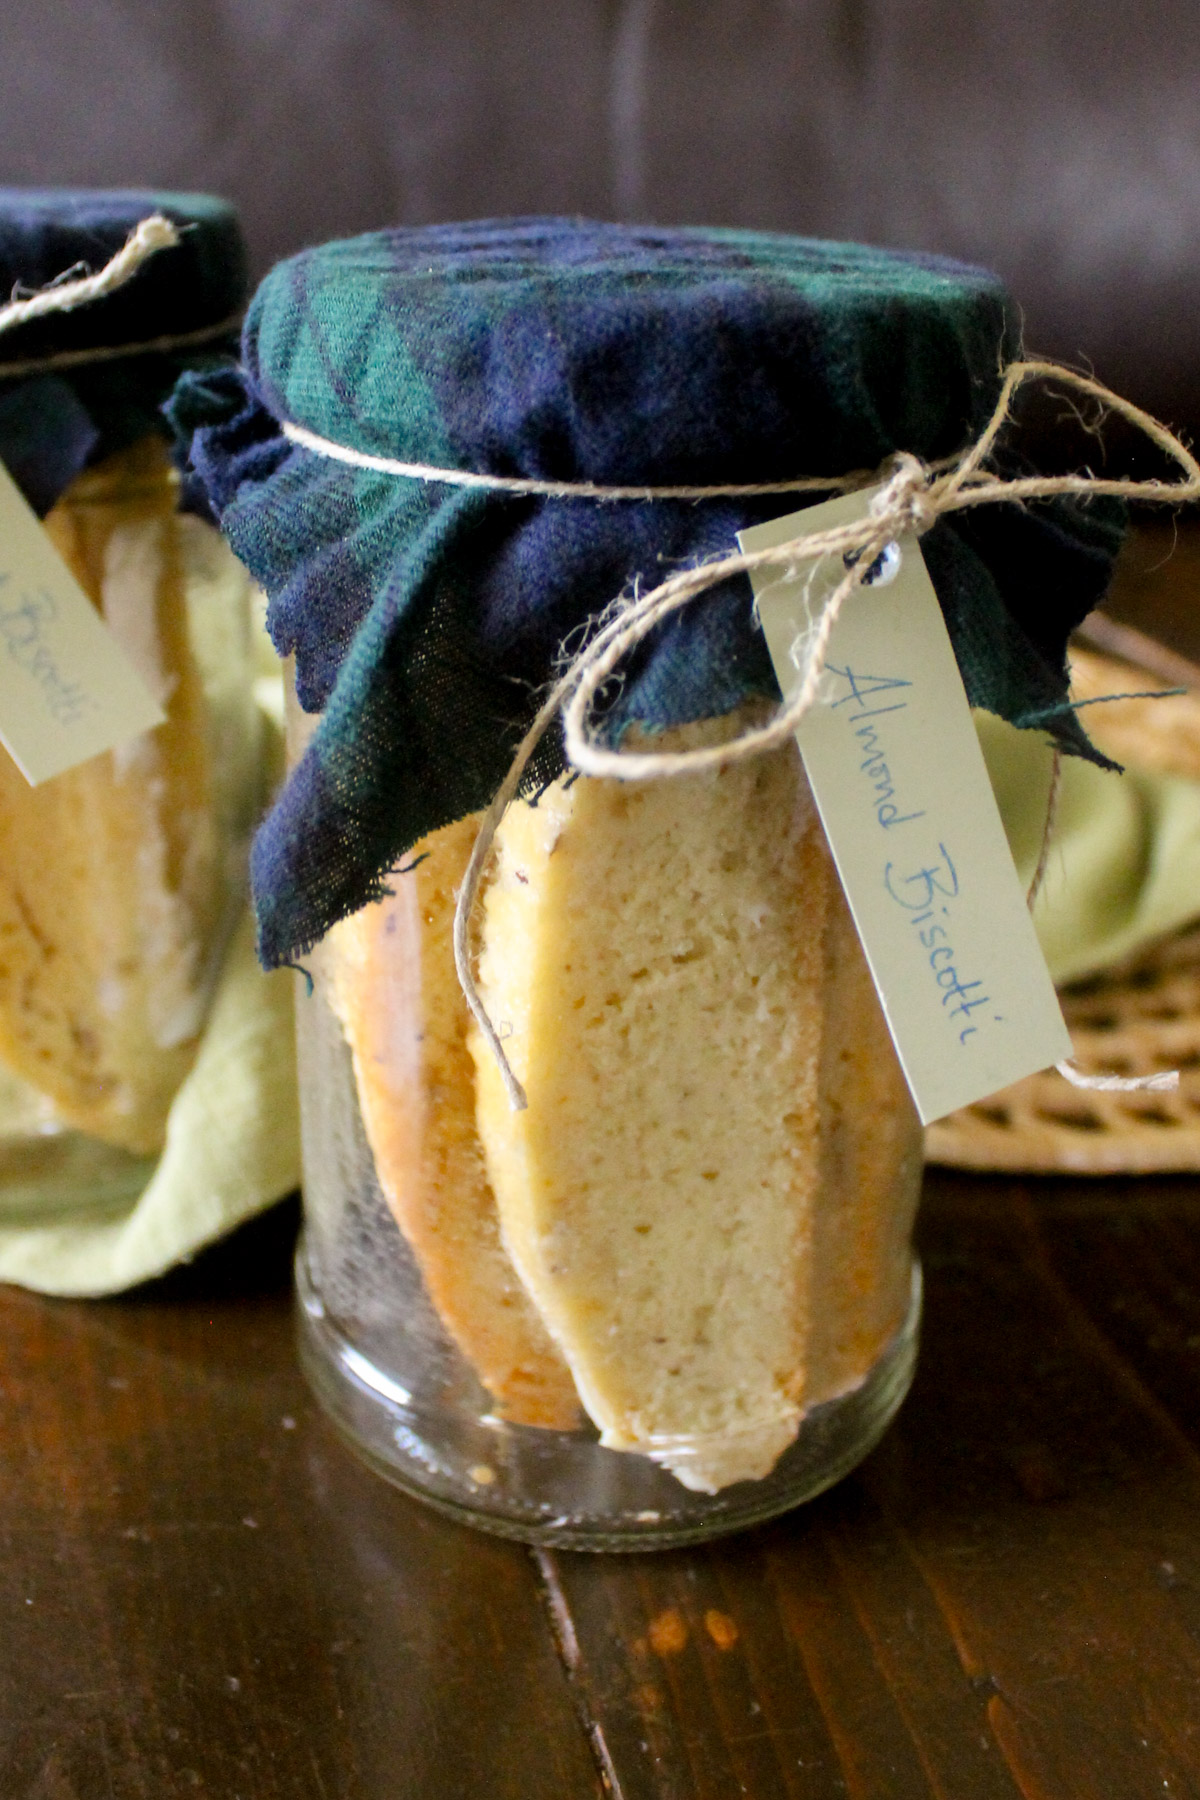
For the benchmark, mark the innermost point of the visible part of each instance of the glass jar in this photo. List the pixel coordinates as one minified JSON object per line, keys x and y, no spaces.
{"x":675,"y":1295}
{"x":120,"y":879}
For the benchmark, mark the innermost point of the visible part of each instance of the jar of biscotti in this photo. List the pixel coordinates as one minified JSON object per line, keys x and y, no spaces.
{"x":118,"y":875}
{"x":675,"y":1293}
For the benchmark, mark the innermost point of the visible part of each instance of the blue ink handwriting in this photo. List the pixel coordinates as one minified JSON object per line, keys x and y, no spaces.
{"x":24,"y":636}
{"x":874,"y":764}
{"x":923,"y":895}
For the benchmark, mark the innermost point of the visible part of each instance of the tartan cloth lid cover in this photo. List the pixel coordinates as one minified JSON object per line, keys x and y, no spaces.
{"x":425,"y":618}
{"x":55,"y":422}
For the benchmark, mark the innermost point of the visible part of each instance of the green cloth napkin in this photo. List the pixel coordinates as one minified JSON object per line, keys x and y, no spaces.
{"x":233,"y":1147}
{"x":1124,"y":865}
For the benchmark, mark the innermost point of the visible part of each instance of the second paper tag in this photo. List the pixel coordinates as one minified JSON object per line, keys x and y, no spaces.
{"x":904,"y":797}
{"x":67,"y":688}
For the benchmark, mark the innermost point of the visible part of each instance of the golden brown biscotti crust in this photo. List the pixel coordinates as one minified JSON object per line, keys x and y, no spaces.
{"x":393,"y":985}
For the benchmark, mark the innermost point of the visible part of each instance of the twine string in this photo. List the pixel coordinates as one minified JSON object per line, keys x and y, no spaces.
{"x":913,"y":496}
{"x":66,"y":293}
{"x":154,"y":233}
{"x":554,"y":490}
{"x":1165,"y":1083}
{"x":103,"y":353}
{"x":1052,"y":799}
{"x":949,"y":485}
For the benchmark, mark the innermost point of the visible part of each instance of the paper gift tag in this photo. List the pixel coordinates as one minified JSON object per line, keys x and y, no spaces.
{"x":67,"y":689}
{"x":899,"y":779}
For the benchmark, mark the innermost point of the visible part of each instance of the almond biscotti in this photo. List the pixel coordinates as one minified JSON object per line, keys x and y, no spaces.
{"x":661,"y":960}
{"x":392,"y":983}
{"x":111,"y":874}
{"x":699,"y":1226}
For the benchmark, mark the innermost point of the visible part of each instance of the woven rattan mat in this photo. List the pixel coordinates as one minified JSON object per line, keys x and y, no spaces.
{"x":1139,"y":1019}
{"x":1133,"y":1021}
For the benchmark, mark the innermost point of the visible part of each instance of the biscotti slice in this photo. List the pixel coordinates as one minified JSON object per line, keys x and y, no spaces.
{"x":652,"y":955}
{"x":392,"y":983}
{"x":111,"y":884}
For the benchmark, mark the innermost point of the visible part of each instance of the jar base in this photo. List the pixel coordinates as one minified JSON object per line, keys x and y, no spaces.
{"x":564,"y":1489}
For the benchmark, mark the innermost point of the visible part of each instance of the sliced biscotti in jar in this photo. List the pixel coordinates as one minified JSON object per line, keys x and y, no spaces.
{"x":112,"y":875}
{"x":391,"y":980}
{"x":653,"y":957}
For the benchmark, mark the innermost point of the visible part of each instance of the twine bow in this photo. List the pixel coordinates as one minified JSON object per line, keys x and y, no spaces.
{"x":913,"y":496}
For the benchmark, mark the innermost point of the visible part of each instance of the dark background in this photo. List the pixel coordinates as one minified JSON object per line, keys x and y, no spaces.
{"x":1058,"y":142}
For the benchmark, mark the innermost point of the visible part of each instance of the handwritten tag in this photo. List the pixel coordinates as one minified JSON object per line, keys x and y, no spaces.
{"x":904,"y":797}
{"x":67,"y":689}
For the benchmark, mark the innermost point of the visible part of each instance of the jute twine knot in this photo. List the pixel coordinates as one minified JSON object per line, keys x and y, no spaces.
{"x":905,"y":495}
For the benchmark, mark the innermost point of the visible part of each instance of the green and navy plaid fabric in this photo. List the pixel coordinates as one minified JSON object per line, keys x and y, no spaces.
{"x":425,"y":619}
{"x":54,"y":423}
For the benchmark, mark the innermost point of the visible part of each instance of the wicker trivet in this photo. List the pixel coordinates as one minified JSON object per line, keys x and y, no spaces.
{"x":1132,"y":1021}
{"x":1138,"y":1019}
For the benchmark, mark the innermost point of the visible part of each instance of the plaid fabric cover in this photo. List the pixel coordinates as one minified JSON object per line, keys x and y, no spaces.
{"x":52,"y":425}
{"x":425,"y":618}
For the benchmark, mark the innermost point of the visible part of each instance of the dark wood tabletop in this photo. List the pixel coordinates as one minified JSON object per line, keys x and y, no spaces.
{"x":203,"y":1592}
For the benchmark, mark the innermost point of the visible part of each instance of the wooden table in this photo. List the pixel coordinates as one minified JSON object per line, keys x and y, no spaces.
{"x":202,"y":1592}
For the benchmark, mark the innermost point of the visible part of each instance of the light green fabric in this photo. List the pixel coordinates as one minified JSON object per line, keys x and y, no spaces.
{"x":232,"y":1148}
{"x":1124,"y":863}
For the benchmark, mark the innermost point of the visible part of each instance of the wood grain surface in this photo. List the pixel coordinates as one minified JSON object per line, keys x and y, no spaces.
{"x":201,"y":1592}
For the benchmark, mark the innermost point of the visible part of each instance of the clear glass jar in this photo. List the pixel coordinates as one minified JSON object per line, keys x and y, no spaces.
{"x":120,"y":879}
{"x":674,"y":1296}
